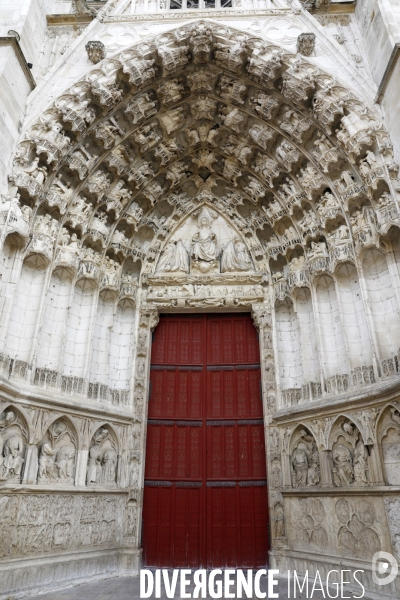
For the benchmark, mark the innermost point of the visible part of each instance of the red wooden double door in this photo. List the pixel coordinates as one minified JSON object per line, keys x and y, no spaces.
{"x":205,"y":495}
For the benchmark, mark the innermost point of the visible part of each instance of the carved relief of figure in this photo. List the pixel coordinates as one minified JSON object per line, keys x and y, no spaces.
{"x":174,"y":258}
{"x":13,"y":451}
{"x":142,"y":343}
{"x":57,"y":454}
{"x":360,"y":462}
{"x":328,"y":205}
{"x":235,"y":257}
{"x":65,"y":461}
{"x":12,"y":446}
{"x":102,"y":463}
{"x":313,"y":475}
{"x":36,"y":172}
{"x":276,"y":475}
{"x":109,"y":466}
{"x":204,"y":243}
{"x":133,"y":470}
{"x":305,"y":460}
{"x":131,"y":518}
{"x":318,"y":250}
{"x":343,"y":472}
{"x":46,"y":462}
{"x":309,"y":221}
{"x":300,"y":466}
{"x":279,"y":519}
{"x":94,"y":465}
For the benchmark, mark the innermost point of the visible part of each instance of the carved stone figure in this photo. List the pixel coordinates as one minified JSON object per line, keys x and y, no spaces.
{"x":306,"y":43}
{"x":360,"y":462}
{"x":65,"y":461}
{"x":109,"y":465}
{"x":12,"y":446}
{"x":232,"y":90}
{"x":46,"y":462}
{"x":343,"y":470}
{"x":204,"y":248}
{"x":318,"y":250}
{"x":57,"y":454}
{"x":36,"y":172}
{"x":173,"y":119}
{"x":313,"y":475}
{"x":102,"y":462}
{"x":94,"y":465}
{"x":201,"y":80}
{"x":13,"y":451}
{"x":309,"y":221}
{"x":276,"y":474}
{"x":131,"y":519}
{"x":279,"y":519}
{"x":300,"y":466}
{"x":235,"y":257}
{"x":305,"y":460}
{"x":174,"y":258}
{"x":96,"y":51}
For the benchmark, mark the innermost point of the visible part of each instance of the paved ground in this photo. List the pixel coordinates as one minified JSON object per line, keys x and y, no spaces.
{"x":127,"y":588}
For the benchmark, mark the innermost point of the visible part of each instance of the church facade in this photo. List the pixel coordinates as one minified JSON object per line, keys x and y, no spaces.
{"x":200,"y":257}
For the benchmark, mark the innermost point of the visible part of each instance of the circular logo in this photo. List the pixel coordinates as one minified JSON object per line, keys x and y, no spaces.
{"x":384,"y":568}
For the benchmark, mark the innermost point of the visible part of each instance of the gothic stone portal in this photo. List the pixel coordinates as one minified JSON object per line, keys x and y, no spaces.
{"x":205,"y":498}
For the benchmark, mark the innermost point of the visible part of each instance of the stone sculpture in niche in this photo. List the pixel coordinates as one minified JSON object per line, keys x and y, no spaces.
{"x":204,"y":248}
{"x":279,"y":520}
{"x":390,"y":443}
{"x":174,"y":258}
{"x":343,"y":471}
{"x":57,"y":454}
{"x":349,"y":455}
{"x":12,"y":446}
{"x":276,"y":475}
{"x":235,"y":257}
{"x":102,"y":463}
{"x":300,"y":466}
{"x":304,"y":460}
{"x":131,"y":518}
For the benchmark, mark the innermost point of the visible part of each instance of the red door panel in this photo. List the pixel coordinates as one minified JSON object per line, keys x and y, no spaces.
{"x":173,"y":534}
{"x":176,"y":393}
{"x":179,"y":341}
{"x":174,"y":451}
{"x":205,"y":497}
{"x":234,"y":392}
{"x":232,"y":340}
{"x":235,"y":450}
